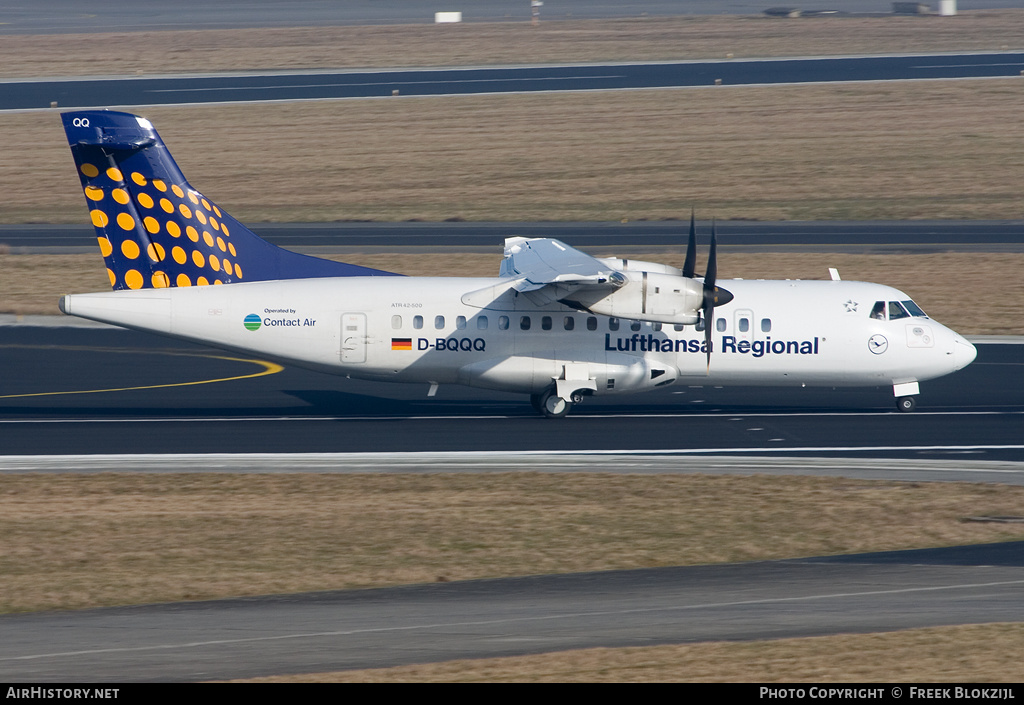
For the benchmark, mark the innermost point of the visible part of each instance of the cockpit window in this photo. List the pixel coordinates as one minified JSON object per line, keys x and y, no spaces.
{"x":878,"y":311}
{"x":896,"y":311}
{"x":914,"y":309}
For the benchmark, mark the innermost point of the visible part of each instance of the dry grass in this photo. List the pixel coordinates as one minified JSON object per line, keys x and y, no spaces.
{"x":661,"y":39}
{"x":32,"y":284}
{"x":942,"y":149}
{"x":987,"y":653}
{"x":75,"y":541}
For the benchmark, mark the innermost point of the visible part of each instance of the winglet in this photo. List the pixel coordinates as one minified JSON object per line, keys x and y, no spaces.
{"x":154,"y":229}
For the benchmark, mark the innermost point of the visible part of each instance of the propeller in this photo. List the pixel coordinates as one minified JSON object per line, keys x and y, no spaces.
{"x":690,"y":265}
{"x":713,"y":296}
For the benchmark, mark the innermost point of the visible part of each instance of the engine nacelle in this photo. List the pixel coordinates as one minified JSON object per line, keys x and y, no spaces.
{"x":646,"y":296}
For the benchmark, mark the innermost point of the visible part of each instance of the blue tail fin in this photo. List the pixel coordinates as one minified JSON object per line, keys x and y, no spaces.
{"x":154,"y":229}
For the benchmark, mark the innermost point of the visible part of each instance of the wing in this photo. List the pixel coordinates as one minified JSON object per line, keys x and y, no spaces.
{"x":547,"y":270}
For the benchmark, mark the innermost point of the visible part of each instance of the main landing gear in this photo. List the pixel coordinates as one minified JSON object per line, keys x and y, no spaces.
{"x":552,"y":406}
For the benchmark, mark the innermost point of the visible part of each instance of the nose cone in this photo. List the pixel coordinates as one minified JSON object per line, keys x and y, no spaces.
{"x":963,"y":352}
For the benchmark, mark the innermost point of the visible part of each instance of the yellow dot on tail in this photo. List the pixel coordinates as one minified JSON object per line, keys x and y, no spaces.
{"x":184,"y":210}
{"x":214,"y":263}
{"x":126,"y":221}
{"x":105,"y":247}
{"x":214,"y":224}
{"x":192,"y":233}
{"x":115,"y":174}
{"x":159,"y":185}
{"x":120,"y":195}
{"x":138,"y":178}
{"x":198,"y":259}
{"x":177,"y":191}
{"x":202,"y":281}
{"x":160,"y":280}
{"x":130,"y":249}
{"x":208,"y":239}
{"x":183,"y":280}
{"x":200,"y":216}
{"x":231,"y":247}
{"x":221,"y":245}
{"x":166,"y":205}
{"x":111,"y":277}
{"x":227,"y":266}
{"x":156,"y":252}
{"x":238,"y":271}
{"x":99,"y":218}
{"x":93,"y":193}
{"x":192,"y":197}
{"x":179,"y":255}
{"x":133,"y":279}
{"x":206,"y":204}
{"x":217,"y":211}
{"x":89,"y":170}
{"x":173,"y":228}
{"x":152,"y":224}
{"x":146,"y":200}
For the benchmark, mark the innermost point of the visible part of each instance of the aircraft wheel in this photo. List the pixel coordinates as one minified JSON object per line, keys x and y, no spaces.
{"x":537,"y":402}
{"x":554,"y":406}
{"x":906,"y":404}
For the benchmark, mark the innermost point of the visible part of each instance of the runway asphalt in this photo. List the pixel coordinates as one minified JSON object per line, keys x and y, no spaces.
{"x":259,"y":87}
{"x":327,"y":631}
{"x":973,"y":413}
{"x":867,"y":237}
{"x":66,"y":16}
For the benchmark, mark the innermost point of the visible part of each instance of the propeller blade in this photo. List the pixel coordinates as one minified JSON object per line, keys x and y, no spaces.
{"x":690,"y":265}
{"x":713,"y":296}
{"x":709,"y":292}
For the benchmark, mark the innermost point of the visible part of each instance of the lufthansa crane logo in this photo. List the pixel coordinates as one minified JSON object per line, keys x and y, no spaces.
{"x":878,"y":344}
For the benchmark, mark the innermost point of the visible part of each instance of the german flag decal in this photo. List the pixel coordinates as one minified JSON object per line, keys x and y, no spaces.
{"x":401,"y":343}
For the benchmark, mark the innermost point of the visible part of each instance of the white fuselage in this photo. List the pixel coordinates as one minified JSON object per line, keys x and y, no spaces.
{"x":427,"y":330}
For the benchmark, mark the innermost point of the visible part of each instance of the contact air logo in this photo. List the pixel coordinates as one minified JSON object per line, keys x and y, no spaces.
{"x":253,"y":321}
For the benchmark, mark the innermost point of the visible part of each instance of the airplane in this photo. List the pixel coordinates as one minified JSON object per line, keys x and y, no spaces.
{"x":556,"y":324}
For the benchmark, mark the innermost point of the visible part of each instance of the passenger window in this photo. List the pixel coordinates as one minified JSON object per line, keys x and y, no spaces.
{"x":502,"y":322}
{"x":896,"y":311}
{"x":613,"y":324}
{"x":766,"y":325}
{"x":568,"y":322}
{"x":524,"y":323}
{"x":396,"y":322}
{"x":878,"y":311}
{"x":656,"y":326}
{"x":678,"y":326}
{"x":700,"y":325}
{"x":591,"y":323}
{"x":545,"y":323}
{"x":438,"y":322}
{"x":744,"y":325}
{"x":635,"y":325}
{"x":481,"y":322}
{"x":417,"y":322}
{"x":720,"y":325}
{"x":460,"y":322}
